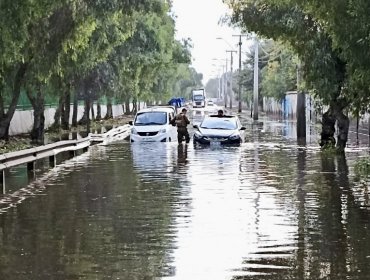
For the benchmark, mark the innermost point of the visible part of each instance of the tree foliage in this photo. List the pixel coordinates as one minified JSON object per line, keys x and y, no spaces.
{"x":329,"y":39}
{"x":279,"y":74}
{"x":118,"y":48}
{"x":322,"y":67}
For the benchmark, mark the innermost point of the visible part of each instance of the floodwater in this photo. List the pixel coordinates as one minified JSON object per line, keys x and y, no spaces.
{"x":269,"y":209}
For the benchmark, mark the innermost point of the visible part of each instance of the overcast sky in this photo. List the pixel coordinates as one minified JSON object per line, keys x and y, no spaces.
{"x":199,"y":20}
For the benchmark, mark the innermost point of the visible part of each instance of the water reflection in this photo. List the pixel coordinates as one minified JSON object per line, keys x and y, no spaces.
{"x":269,"y":209}
{"x":182,"y":155}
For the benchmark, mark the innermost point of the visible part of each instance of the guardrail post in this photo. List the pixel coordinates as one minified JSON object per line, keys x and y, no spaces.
{"x":72,"y":154}
{"x":3,"y":180}
{"x":52,"y":161}
{"x":31,"y":166}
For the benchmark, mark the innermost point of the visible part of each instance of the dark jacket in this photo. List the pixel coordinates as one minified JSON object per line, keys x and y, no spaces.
{"x":181,"y":121}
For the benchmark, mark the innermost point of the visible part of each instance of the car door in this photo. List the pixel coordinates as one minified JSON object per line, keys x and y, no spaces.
{"x":172,"y":129}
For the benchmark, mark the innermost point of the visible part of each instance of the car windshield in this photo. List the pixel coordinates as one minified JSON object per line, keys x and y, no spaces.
{"x":219,"y":123}
{"x":151,"y":118}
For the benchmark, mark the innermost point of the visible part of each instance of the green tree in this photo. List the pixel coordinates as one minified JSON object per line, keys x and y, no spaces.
{"x":86,"y":49}
{"x":324,"y":68}
{"x":16,"y":20}
{"x":279,"y":75}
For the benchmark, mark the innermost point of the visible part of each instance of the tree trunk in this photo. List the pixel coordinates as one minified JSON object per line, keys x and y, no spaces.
{"x":6,"y":118}
{"x":335,"y":115}
{"x":368,"y":128}
{"x":127,"y":106}
{"x":343,"y":127}
{"x":86,"y":116}
{"x":66,"y":108}
{"x":2,"y":105}
{"x":134,"y":105}
{"x":59,"y":109}
{"x":58,"y":113}
{"x":109,"y":114}
{"x":301,"y":116}
{"x":92,"y":111}
{"x":75,"y":110}
{"x":88,"y":105}
{"x":357,"y":129}
{"x":328,"y":129}
{"x":98,"y":111}
{"x":38,"y":104}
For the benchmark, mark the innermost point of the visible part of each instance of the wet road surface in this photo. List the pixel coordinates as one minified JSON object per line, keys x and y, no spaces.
{"x":269,"y":209}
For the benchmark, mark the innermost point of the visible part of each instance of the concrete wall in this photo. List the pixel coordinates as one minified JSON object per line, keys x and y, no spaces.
{"x":22,"y":121}
{"x":288,"y":106}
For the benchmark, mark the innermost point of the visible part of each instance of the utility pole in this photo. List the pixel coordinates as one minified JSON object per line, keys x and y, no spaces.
{"x":225,"y":85}
{"x":255,"y":81}
{"x":231,"y":77}
{"x":240,"y":72}
{"x":301,"y":109}
{"x":222,"y":82}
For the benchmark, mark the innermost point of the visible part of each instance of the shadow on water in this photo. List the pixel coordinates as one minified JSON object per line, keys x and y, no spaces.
{"x":182,"y":154}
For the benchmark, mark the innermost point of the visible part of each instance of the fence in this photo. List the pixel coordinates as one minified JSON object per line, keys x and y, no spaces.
{"x":30,"y":156}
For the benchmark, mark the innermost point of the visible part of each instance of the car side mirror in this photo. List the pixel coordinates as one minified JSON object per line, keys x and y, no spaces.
{"x":196,"y":126}
{"x":130,"y":123}
{"x":243,"y":128}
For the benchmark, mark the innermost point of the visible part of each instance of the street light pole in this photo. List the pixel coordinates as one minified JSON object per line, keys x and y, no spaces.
{"x":225,"y":85}
{"x":231,"y":77}
{"x":240,"y":73}
{"x":222,"y":80}
{"x":220,"y":85}
{"x":255,"y":81}
{"x":231,"y":63}
{"x":240,"y":76}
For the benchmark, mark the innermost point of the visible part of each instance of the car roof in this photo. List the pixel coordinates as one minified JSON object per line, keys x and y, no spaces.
{"x":221,"y":117}
{"x":167,"y":109}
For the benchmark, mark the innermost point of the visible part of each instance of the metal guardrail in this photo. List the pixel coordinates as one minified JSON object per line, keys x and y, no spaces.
{"x":12,"y":159}
{"x":118,"y":133}
{"x":30,"y":156}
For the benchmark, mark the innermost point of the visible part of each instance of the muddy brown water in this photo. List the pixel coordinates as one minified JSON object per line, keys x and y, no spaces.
{"x":269,"y":209}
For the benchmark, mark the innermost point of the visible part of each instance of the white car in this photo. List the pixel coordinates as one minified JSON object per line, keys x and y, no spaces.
{"x":153,"y":125}
{"x":210,"y":103}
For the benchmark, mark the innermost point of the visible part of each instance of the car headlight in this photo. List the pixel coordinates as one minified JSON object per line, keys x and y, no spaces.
{"x":234,"y":136}
{"x":133,"y":131}
{"x":197,"y":135}
{"x":163,"y":130}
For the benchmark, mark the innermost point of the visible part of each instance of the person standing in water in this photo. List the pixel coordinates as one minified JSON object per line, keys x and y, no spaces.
{"x":182,"y":121}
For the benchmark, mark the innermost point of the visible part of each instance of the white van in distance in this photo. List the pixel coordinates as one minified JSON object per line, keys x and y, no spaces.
{"x":153,"y":125}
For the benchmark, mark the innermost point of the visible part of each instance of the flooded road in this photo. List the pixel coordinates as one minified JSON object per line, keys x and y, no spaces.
{"x":269,"y":209}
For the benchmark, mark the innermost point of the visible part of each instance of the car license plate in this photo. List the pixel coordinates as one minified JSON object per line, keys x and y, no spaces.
{"x":215,"y":142}
{"x":147,"y":139}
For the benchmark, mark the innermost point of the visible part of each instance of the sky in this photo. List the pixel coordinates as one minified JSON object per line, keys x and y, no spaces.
{"x":199,"y":20}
